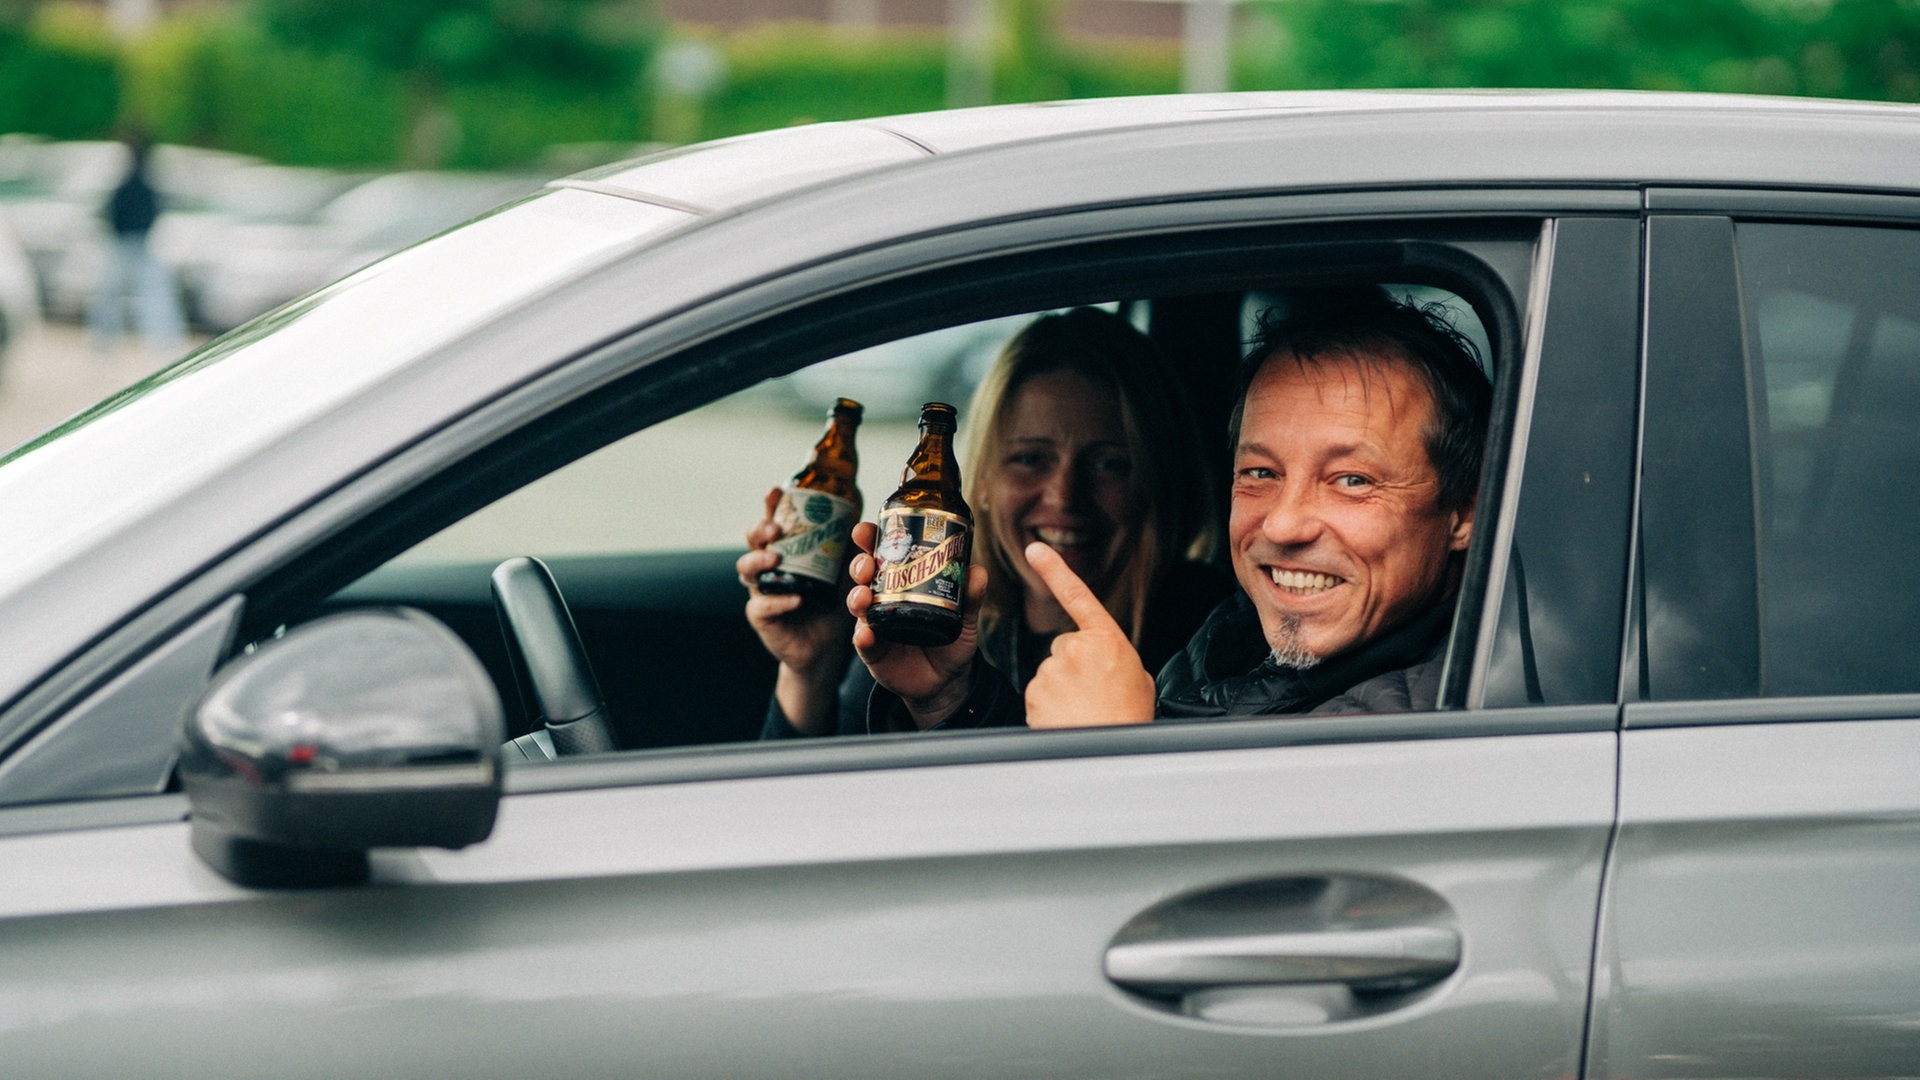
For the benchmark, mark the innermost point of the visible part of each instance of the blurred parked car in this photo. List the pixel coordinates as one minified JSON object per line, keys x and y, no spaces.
{"x":194,"y":234}
{"x":896,"y":377}
{"x":1662,"y":824}
{"x":256,"y":267}
{"x":52,"y":194}
{"x":19,"y":297}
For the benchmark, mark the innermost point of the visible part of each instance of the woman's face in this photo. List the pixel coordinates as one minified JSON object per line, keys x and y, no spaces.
{"x":1064,"y":477}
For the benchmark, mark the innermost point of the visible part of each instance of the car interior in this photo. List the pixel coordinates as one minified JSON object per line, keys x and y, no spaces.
{"x":638,"y":494}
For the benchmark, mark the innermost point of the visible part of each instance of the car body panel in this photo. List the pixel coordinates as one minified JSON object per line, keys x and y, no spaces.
{"x":1761,"y":915}
{"x":945,"y":921}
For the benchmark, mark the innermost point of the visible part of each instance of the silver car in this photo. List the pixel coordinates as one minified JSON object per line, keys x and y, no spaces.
{"x":255,"y":818}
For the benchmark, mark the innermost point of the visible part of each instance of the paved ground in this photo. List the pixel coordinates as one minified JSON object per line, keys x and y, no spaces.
{"x":53,"y":374}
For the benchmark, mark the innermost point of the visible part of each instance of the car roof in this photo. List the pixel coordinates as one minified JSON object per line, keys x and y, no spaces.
{"x":1421,"y":136}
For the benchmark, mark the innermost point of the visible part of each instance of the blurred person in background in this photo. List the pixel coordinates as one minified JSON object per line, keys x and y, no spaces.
{"x":130,"y":276}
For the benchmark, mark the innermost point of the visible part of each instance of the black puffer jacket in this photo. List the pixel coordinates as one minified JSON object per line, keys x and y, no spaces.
{"x":1228,"y":670}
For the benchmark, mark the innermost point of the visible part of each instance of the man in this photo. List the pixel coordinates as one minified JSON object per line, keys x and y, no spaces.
{"x":131,"y":273}
{"x":1357,"y":440}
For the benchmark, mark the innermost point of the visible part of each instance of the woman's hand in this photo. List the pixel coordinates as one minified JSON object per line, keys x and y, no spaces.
{"x":809,"y":640}
{"x":932,"y":682}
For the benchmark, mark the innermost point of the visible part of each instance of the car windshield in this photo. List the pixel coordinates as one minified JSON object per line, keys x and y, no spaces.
{"x":159,"y":437}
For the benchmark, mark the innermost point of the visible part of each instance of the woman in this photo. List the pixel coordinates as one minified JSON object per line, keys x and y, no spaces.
{"x":1078,"y":436}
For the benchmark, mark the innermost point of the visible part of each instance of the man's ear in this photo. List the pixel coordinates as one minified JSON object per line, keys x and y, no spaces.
{"x":1460,"y":525}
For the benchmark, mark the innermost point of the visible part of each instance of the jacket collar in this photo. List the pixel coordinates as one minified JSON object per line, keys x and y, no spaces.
{"x":1236,"y":673}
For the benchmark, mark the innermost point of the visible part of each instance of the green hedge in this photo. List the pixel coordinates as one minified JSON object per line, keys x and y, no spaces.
{"x":790,"y":74}
{"x":210,"y":77}
{"x":212,"y":80}
{"x":1866,"y":49}
{"x":59,"y":75}
{"x":507,"y":125}
{"x":782,"y":75}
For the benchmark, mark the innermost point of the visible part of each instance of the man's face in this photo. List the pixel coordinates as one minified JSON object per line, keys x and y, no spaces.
{"x":1337,"y":529}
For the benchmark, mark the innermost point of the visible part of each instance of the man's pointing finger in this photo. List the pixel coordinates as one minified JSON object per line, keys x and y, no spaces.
{"x":1084,"y":608}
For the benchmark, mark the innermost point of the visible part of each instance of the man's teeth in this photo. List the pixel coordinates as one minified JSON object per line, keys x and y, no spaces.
{"x":1061,"y":537}
{"x":1303,"y":583}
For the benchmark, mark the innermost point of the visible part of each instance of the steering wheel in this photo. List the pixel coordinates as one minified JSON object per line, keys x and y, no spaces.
{"x":550,"y":665}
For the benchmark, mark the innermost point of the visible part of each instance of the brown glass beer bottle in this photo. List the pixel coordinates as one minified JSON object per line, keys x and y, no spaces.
{"x":816,"y":514}
{"x":926,"y":535}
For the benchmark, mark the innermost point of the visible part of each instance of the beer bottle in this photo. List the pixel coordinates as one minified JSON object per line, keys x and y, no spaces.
{"x":926,"y":533}
{"x":816,"y":514}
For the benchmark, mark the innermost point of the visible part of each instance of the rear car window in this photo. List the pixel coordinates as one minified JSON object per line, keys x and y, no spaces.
{"x":1833,"y":326}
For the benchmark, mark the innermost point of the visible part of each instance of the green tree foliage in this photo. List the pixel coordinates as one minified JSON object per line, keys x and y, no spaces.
{"x":515,"y":123}
{"x":777,"y":76}
{"x":789,"y":74}
{"x":357,"y":82}
{"x":58,"y":71}
{"x":589,"y":44}
{"x":496,"y":51}
{"x":211,"y":78}
{"x":1845,"y":48}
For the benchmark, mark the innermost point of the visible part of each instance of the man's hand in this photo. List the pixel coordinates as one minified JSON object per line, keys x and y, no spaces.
{"x":1092,"y":677}
{"x":931,"y":682}
{"x":809,"y":641}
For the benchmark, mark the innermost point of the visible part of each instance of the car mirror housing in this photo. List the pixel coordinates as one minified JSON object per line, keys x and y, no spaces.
{"x":371,"y":728}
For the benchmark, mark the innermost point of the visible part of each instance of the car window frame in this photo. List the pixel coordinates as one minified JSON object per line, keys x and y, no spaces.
{"x":1572,"y":472}
{"x":1692,"y":236}
{"x":671,"y":387}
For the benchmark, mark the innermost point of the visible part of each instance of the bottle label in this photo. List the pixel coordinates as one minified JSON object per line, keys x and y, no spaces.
{"x":814,"y":527}
{"x":923,"y":557}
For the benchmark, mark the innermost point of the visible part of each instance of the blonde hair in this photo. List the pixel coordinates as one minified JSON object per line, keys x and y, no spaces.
{"x":1172,"y":485}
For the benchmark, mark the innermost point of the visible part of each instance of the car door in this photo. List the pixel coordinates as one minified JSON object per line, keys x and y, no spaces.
{"x":1365,"y":897}
{"x":889,"y":912}
{"x":1762,"y":915}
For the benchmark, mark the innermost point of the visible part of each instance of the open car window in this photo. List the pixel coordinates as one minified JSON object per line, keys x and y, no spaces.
{"x":670,"y":487}
{"x":641,"y":534}
{"x":638,"y":488}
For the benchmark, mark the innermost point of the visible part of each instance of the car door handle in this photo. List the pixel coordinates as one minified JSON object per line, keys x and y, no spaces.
{"x":1369,"y":958}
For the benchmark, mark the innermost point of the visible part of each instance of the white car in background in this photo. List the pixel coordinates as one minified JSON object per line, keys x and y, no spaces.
{"x":195,"y":231}
{"x":19,"y":295}
{"x":256,"y":267}
{"x":52,"y":193}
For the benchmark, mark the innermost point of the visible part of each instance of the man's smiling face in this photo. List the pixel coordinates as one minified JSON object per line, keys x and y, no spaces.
{"x":1337,"y":527}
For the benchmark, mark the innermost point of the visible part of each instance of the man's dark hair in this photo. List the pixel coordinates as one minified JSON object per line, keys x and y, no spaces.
{"x":1368,"y":324}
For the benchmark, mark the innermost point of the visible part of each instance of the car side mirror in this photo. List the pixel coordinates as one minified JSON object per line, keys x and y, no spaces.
{"x":371,"y":728}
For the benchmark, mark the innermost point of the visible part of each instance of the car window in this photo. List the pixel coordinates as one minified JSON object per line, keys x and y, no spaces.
{"x":1834,"y":339}
{"x":696,"y":481}
{"x":641,"y":534}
